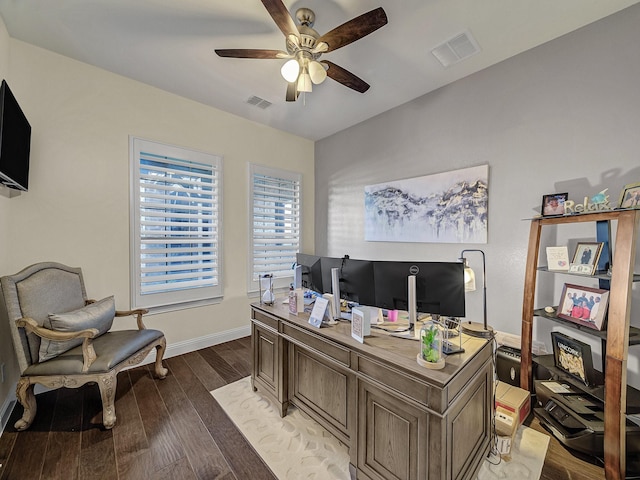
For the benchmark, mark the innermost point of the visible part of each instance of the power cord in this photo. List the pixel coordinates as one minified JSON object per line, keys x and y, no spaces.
{"x":493,"y":452}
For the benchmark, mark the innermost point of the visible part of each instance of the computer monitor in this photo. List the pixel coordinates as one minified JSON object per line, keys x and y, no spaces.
{"x":326,"y":264}
{"x":356,"y":281}
{"x":311,"y":271}
{"x":439,"y":286}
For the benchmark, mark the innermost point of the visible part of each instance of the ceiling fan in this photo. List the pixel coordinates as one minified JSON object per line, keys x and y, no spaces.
{"x":305,"y":46}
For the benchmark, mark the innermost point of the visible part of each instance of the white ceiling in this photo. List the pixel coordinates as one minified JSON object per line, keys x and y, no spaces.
{"x":170,"y":44}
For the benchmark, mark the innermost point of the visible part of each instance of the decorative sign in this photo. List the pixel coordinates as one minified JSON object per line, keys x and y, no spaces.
{"x":573,"y":356}
{"x":360,"y":324}
{"x":318,"y":312}
{"x":598,"y":203}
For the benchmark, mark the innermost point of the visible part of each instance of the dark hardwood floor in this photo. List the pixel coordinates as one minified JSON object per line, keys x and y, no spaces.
{"x":166,"y":429}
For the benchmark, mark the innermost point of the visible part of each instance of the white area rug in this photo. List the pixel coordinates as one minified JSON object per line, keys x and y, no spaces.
{"x":296,"y":447}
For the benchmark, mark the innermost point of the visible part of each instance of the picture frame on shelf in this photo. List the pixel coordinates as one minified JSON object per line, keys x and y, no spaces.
{"x":558,"y":259}
{"x":573,"y":357}
{"x":586,"y":306}
{"x":553,"y":204}
{"x":585,"y":259}
{"x":630,"y":196}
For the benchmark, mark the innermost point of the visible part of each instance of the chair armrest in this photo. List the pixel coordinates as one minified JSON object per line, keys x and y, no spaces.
{"x":30,"y":325}
{"x":138,"y":312}
{"x":88,"y":352}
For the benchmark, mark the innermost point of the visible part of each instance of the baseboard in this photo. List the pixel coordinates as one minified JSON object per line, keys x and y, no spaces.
{"x":7,"y":408}
{"x":180,"y":348}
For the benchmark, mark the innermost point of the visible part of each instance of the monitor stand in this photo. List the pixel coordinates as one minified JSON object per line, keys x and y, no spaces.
{"x":449,"y":348}
{"x":450,"y":324}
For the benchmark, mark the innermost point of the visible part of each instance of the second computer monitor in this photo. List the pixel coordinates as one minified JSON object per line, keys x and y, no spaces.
{"x":439,"y":286}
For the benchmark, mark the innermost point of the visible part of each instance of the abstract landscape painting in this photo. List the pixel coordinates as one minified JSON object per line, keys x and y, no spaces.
{"x":449,"y":207}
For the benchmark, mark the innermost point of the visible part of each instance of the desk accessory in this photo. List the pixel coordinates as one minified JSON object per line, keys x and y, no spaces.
{"x":360,"y":324}
{"x":266,"y":289}
{"x":473,"y":328}
{"x":430,"y":355}
{"x":319,"y":311}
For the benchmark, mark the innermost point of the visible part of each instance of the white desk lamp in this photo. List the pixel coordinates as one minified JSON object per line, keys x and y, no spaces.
{"x":476,"y":329}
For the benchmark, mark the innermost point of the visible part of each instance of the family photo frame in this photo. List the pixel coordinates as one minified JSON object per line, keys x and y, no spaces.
{"x":630,"y":196}
{"x":553,"y":204}
{"x":584,"y":306}
{"x":585,"y":259}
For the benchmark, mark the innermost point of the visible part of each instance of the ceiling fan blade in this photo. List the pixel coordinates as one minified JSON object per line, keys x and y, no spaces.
{"x":251,"y":53}
{"x":292,"y":92}
{"x":354,"y":29}
{"x":345,"y":77}
{"x":281,"y":16}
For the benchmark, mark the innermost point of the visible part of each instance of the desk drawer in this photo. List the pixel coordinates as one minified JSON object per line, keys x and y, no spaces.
{"x":320,"y":345}
{"x":268,"y":320}
{"x":404,"y":384}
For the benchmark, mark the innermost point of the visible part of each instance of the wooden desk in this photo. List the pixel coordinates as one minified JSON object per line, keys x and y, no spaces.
{"x":399,"y":420}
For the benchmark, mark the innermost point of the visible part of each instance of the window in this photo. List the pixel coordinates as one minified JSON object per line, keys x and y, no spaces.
{"x":175,"y":225}
{"x":275,"y":224}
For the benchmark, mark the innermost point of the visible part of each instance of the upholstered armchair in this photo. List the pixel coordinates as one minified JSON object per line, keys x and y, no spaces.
{"x":63,"y":339}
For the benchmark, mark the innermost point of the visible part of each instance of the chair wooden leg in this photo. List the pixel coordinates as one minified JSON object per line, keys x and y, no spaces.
{"x":107,"y":386}
{"x":27,"y":399}
{"x":161,"y":372}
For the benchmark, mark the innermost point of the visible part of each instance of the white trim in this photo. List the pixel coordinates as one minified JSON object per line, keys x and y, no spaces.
{"x":199,"y":343}
{"x":7,"y":407}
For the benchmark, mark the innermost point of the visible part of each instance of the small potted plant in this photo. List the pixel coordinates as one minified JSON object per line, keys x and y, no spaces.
{"x":430,"y":354}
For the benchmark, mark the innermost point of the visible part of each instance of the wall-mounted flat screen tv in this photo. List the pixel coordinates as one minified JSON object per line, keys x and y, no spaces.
{"x":15,"y":141}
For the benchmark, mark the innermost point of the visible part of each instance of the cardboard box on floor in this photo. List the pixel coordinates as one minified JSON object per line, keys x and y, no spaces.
{"x":513,"y":399}
{"x":506,"y":428}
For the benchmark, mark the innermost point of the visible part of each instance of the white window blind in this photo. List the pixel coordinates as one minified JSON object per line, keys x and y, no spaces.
{"x":176,"y":196}
{"x":275,"y":224}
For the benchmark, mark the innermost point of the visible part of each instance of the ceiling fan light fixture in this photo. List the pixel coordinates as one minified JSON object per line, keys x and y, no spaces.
{"x":317,"y":72}
{"x":304,"y":46}
{"x":290,"y":70}
{"x":304,"y":82}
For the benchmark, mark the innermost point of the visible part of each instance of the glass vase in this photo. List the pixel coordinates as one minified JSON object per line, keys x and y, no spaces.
{"x":431,"y":355}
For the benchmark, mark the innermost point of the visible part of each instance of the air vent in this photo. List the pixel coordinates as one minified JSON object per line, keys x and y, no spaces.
{"x":456,"y":49}
{"x":259,"y":102}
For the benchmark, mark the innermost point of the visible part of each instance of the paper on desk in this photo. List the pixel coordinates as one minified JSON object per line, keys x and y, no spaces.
{"x":555,"y":387}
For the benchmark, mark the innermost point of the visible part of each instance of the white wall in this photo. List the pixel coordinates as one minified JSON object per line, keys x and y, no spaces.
{"x":560,"y":118}
{"x":77,"y":208}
